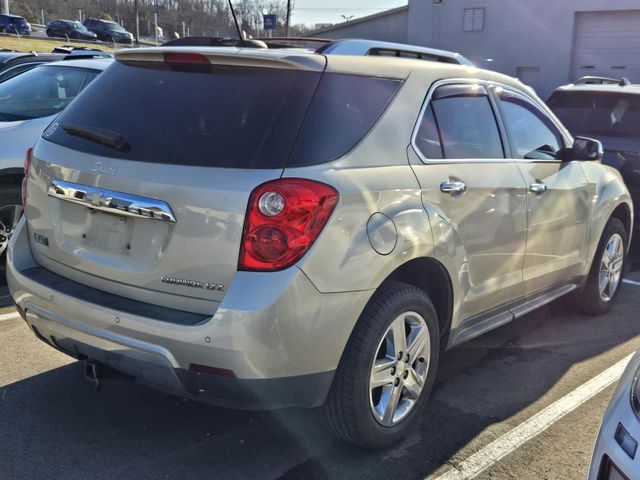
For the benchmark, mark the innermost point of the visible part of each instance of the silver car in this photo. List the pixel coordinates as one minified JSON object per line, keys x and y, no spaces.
{"x":28,"y":103}
{"x":273,"y":228}
{"x":615,"y":456}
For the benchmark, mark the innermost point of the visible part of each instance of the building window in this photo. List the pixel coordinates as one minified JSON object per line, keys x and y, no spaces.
{"x":473,"y":19}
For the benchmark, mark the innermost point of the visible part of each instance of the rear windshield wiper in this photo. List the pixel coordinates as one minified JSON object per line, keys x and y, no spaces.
{"x":104,"y":137}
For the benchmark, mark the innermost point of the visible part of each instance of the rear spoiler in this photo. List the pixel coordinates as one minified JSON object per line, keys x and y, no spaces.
{"x":224,"y":56}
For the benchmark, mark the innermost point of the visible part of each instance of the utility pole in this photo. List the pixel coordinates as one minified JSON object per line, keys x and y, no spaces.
{"x":286,"y":29}
{"x":5,"y":7}
{"x":80,"y":15}
{"x":137,"y":31}
{"x":42,"y":15}
{"x":155,"y":26}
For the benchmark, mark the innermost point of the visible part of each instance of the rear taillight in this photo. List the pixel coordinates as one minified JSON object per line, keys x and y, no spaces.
{"x":27,"y":167}
{"x":284,"y":218}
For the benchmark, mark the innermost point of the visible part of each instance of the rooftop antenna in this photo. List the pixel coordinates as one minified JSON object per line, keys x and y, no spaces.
{"x":235,"y":21}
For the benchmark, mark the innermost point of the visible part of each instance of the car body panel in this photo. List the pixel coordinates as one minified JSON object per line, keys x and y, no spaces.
{"x":619,"y":412}
{"x":558,"y":223}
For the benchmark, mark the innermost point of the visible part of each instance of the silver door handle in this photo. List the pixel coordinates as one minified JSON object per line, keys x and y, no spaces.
{"x":538,"y":188}
{"x":453,"y":187}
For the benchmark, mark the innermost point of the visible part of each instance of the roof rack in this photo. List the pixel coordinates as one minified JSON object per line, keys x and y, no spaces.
{"x":355,"y":47}
{"x":388,"y":49}
{"x":590,"y":80}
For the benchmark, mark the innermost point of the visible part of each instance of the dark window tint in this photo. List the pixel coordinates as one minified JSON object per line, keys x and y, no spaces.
{"x":428,"y":138}
{"x":42,"y":91}
{"x":532,"y":133}
{"x":343,"y":110}
{"x":464,"y":119}
{"x":236,"y":117}
{"x":610,"y":114}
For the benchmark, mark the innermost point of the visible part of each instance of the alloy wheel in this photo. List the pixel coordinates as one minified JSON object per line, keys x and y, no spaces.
{"x":399,"y":369}
{"x":611,"y":268}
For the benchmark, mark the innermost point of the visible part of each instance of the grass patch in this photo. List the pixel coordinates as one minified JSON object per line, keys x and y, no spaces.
{"x":35,"y":44}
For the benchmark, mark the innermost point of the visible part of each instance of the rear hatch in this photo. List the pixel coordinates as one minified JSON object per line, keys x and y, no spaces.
{"x":143,"y":182}
{"x":140,"y":187}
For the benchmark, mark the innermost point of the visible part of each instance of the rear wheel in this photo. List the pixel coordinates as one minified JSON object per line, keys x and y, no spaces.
{"x":605,"y":277}
{"x":387,"y":370}
{"x":10,"y":213}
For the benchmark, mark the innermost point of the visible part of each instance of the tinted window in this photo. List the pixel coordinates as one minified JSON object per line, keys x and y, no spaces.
{"x":532,"y":134}
{"x":42,"y":91}
{"x":428,"y":138}
{"x":463,"y":119}
{"x":593,"y":114}
{"x":219,"y":116}
{"x":343,"y":110}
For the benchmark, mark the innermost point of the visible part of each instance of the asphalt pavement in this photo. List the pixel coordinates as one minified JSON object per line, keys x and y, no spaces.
{"x":54,"y":426}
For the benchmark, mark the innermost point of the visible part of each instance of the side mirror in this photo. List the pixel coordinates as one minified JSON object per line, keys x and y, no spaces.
{"x":586,"y":149}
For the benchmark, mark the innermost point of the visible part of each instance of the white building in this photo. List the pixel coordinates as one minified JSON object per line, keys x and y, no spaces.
{"x":546,"y":43}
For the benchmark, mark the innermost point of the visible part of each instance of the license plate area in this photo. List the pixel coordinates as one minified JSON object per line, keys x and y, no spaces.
{"x":108,"y":232}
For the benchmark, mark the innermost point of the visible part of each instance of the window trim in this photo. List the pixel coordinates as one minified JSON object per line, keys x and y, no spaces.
{"x":487,"y":84}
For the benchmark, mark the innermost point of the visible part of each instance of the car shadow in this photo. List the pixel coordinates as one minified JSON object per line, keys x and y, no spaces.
{"x":53,"y":425}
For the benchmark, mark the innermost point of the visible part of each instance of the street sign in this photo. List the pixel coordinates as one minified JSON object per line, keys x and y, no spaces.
{"x":270,"y":21}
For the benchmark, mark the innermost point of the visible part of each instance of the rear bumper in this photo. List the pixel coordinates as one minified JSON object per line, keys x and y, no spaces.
{"x":280,"y":337}
{"x":619,"y":413}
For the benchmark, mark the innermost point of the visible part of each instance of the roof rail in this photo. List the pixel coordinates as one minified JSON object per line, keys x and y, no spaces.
{"x":590,"y":80}
{"x":360,"y":47}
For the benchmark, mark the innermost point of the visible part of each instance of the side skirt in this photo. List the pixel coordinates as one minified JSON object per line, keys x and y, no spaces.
{"x":477,"y":325}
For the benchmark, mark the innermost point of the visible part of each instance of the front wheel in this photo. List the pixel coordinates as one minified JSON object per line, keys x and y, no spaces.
{"x":387,"y":370}
{"x":605,"y":277}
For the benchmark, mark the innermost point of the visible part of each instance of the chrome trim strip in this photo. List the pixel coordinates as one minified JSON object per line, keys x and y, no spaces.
{"x":113,"y":202}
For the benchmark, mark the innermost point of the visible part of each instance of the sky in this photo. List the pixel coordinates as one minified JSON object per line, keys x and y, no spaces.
{"x":311,"y":12}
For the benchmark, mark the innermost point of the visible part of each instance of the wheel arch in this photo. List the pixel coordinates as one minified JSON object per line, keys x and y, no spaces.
{"x":623,"y":213}
{"x":430,"y":276}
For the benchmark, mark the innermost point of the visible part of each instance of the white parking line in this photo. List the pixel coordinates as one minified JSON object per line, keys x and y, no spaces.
{"x":512,"y":440}
{"x":8,"y":316}
{"x":631,"y":282}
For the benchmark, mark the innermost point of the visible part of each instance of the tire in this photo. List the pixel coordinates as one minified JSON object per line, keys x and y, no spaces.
{"x":592,"y":300}
{"x":356,"y":412}
{"x":10,"y":213}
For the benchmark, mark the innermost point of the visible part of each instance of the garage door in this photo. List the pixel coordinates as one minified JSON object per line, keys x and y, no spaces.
{"x":607,"y":44}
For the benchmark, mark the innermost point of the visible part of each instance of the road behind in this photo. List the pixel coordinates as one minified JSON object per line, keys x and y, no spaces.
{"x":52,"y":424}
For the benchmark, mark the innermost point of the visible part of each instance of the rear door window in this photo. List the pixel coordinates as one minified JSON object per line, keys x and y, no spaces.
{"x":459,"y":123}
{"x":222,"y":116}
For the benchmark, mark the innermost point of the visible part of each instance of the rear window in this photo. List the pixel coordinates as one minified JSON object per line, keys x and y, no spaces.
{"x":42,"y":91}
{"x":221,"y":116}
{"x":608,"y":114}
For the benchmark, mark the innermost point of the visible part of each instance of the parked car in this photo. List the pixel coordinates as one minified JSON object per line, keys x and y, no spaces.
{"x":28,"y":103}
{"x":14,"y":24}
{"x":107,"y":31}
{"x":69,"y":29}
{"x":609,"y":110}
{"x":615,"y":456}
{"x":13,"y":63}
{"x":275,"y":228}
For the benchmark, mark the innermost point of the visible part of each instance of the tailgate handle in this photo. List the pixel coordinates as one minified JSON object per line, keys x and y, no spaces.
{"x":113,"y":202}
